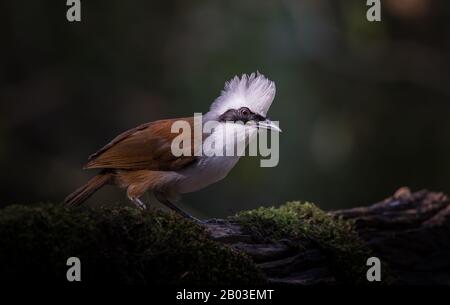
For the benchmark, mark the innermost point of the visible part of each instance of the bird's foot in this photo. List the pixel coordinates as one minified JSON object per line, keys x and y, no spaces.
{"x":188,"y":216}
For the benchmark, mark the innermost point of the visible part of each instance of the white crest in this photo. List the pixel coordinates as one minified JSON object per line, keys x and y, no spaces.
{"x":254,"y":91}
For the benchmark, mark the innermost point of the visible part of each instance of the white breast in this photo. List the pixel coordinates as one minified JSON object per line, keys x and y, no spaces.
{"x":206,"y":171}
{"x":211,"y":168}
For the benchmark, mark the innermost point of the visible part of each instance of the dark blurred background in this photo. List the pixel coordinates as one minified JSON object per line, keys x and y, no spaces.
{"x":363,"y":106}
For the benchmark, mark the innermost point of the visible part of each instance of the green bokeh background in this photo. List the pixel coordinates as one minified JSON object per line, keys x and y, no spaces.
{"x":364,"y":107}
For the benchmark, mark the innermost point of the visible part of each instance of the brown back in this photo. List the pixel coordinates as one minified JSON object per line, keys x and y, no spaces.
{"x":147,"y":146}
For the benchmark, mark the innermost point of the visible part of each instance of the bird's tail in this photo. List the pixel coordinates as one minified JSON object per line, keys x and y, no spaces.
{"x":81,"y":194}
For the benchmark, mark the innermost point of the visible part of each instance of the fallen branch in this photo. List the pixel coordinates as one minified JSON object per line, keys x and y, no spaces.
{"x":296,"y":243}
{"x":409,"y":232}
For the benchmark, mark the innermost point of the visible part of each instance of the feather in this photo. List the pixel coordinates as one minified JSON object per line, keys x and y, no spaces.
{"x":146,"y":147}
{"x":253,"y":91}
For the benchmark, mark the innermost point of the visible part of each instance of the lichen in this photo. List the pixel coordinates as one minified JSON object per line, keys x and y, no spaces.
{"x":120,"y":245}
{"x":307,"y":224}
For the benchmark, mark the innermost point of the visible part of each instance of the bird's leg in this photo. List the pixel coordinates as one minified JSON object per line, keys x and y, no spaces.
{"x":138,"y":203}
{"x":147,"y":199}
{"x":170,"y":205}
{"x":161,"y":198}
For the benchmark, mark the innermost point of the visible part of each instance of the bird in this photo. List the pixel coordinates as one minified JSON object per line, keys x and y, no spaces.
{"x":141,"y":159}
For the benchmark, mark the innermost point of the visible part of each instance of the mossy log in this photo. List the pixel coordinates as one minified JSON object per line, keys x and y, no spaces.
{"x":409,"y":232}
{"x":296,"y":243}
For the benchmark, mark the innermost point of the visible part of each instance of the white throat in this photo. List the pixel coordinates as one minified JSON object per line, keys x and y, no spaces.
{"x":211,"y":166}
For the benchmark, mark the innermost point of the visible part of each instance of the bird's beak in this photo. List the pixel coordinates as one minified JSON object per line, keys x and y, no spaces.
{"x":268,"y":124}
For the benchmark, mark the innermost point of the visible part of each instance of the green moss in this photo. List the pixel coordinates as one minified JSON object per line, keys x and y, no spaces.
{"x":307,"y":224}
{"x":120,"y":245}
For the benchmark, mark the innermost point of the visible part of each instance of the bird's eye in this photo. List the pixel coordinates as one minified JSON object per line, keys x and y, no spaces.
{"x":244,"y":111}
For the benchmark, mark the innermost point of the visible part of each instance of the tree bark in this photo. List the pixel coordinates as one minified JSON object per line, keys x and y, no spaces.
{"x":408,"y":232}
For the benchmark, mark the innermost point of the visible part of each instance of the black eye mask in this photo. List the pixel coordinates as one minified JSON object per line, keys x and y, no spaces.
{"x":243,"y":114}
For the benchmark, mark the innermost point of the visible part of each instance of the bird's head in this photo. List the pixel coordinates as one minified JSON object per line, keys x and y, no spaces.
{"x":246,"y":100}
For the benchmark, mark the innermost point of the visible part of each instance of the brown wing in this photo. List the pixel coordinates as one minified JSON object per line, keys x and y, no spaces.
{"x":144,"y":147}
